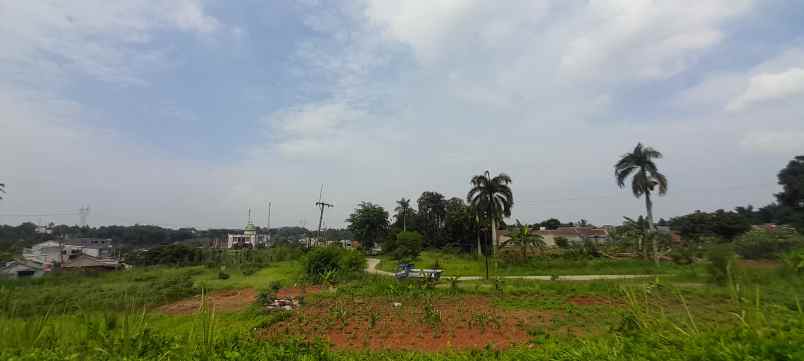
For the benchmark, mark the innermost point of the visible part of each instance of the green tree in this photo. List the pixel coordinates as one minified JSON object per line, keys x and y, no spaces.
{"x":523,"y":238}
{"x":431,"y":217}
{"x":406,"y":246}
{"x":720,"y":223}
{"x":459,"y":227}
{"x":369,"y":223}
{"x":791,"y":178}
{"x":551,"y":223}
{"x":492,"y":198}
{"x":646,"y":178}
{"x":403,"y":210}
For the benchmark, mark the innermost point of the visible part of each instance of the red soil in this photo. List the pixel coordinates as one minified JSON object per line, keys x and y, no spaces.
{"x":222,"y":301}
{"x":589,"y":300}
{"x":465,"y":323}
{"x":229,"y":300}
{"x":758,"y":264}
{"x":298,"y":291}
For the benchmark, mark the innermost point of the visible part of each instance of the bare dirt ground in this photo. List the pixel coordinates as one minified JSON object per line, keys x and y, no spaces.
{"x":222,"y":301}
{"x":759,"y":264}
{"x":227,"y":301}
{"x":469,"y":322}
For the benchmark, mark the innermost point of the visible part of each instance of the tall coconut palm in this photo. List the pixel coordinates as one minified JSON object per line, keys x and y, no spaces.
{"x":524,"y":239}
{"x":493,"y":199}
{"x":402,"y":209}
{"x":645,"y":177}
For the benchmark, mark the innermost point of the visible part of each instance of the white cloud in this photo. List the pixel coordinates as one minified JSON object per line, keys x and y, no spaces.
{"x":47,"y":41}
{"x":648,"y":39}
{"x":770,"y":86}
{"x":784,"y":142}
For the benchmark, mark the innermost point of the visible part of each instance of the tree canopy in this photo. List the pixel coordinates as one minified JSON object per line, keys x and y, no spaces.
{"x":791,"y":178}
{"x":369,"y":223}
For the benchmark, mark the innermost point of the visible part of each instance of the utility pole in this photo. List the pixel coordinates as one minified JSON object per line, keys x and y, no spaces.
{"x":268,"y":225}
{"x":321,"y":205}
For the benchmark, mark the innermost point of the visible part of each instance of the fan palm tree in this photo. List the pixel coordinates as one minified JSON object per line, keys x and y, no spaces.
{"x":493,"y":199}
{"x":403,"y":207}
{"x":645,"y":177}
{"x":524,"y":239}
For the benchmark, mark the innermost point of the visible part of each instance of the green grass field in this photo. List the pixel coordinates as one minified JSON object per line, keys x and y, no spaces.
{"x":114,"y":316}
{"x":468,"y":265}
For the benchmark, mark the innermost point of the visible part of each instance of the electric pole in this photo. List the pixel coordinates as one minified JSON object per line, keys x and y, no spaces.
{"x":321,"y":205}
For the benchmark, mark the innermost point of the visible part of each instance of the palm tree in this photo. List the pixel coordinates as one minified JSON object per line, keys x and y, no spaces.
{"x":493,"y":199}
{"x":402,"y":209}
{"x":646,"y":177}
{"x":524,"y":239}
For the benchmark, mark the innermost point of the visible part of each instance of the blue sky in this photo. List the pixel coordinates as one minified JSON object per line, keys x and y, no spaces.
{"x":189,"y":112}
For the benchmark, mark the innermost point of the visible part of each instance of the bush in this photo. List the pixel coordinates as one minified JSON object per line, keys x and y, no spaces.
{"x":173,"y":287}
{"x":223,"y":275}
{"x":794,"y":261}
{"x":324,"y":260}
{"x":249,"y":269}
{"x":768,"y":244}
{"x":562,"y":242}
{"x":683,"y":256}
{"x":406,"y":247}
{"x":721,"y":258}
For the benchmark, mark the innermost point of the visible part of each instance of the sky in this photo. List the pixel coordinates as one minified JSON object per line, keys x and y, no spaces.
{"x":189,"y":112}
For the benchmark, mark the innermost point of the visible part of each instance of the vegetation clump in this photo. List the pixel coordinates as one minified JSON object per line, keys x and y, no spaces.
{"x":328,"y":262}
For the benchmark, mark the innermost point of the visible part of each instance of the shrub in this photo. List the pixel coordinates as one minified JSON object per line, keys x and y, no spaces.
{"x":249,"y":269}
{"x":794,"y":261}
{"x":682,"y":256}
{"x":768,"y":244}
{"x":562,"y":242}
{"x":173,"y":287}
{"x":223,"y":275}
{"x":721,"y":258}
{"x":325,"y":260}
{"x":407,"y":246}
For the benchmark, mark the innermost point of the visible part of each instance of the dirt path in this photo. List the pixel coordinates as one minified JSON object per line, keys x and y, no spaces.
{"x":373,"y":262}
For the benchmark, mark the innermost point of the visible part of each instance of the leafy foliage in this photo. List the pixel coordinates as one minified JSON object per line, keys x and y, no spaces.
{"x":721,"y":263}
{"x":768,"y":244}
{"x":405,"y":247}
{"x":432,"y":217}
{"x":329,"y":261}
{"x":791,"y":178}
{"x":369,"y":223}
{"x":723,"y":224}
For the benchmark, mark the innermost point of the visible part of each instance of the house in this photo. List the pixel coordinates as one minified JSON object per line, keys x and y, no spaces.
{"x":86,"y":263}
{"x":47,"y":254}
{"x":50,"y":252}
{"x":95,"y":247}
{"x":572,"y":234}
{"x":20,"y":269}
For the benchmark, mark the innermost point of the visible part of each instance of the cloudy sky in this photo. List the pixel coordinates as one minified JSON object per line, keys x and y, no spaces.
{"x":188,"y":112}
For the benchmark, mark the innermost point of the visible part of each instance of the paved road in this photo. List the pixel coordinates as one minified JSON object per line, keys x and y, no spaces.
{"x":372,"y":268}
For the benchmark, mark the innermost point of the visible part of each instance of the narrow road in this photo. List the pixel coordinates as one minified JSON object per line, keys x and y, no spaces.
{"x":373,"y":262}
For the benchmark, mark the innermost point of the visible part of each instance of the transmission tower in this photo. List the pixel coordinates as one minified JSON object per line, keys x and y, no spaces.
{"x":84,"y":213}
